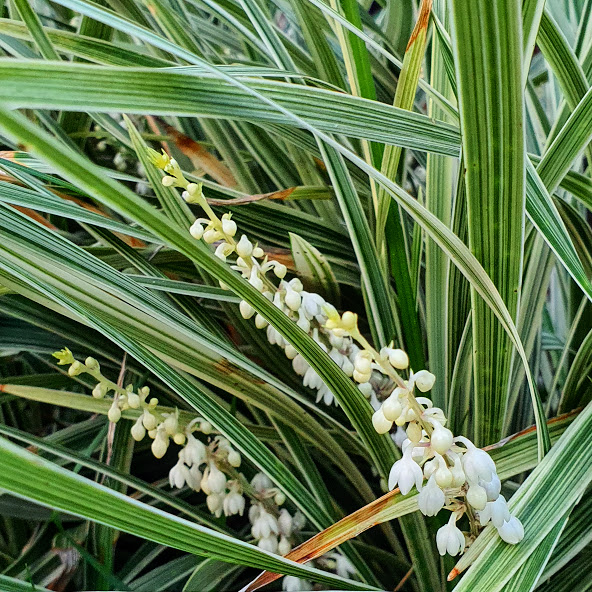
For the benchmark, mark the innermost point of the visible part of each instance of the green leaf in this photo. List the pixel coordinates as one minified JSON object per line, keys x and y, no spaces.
{"x":491,"y":115}
{"x":26,"y":475}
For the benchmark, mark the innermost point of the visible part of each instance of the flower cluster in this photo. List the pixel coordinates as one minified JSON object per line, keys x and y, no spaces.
{"x":271,"y":527}
{"x":460,"y":477}
{"x":210,"y":468}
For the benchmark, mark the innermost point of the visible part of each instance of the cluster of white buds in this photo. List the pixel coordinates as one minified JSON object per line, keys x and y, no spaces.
{"x":161,"y":427}
{"x":306,"y":309}
{"x":210,"y":468}
{"x":272,"y":528}
{"x":206,"y":468}
{"x":460,"y":477}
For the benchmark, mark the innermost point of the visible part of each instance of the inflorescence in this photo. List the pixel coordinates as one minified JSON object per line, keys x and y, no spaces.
{"x":449,"y":472}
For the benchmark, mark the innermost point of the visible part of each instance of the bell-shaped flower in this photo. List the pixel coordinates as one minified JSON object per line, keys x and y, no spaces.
{"x":264,"y":525}
{"x":234,"y":503}
{"x":261,"y":482}
{"x":496,"y":511}
{"x":285,"y":522}
{"x":512,"y":531}
{"x":179,"y":474}
{"x":406,"y":473}
{"x":492,"y":488}
{"x":423,"y":380}
{"x":431,"y":499}
{"x":449,"y":539}
{"x":477,"y":464}
{"x":268,"y":543}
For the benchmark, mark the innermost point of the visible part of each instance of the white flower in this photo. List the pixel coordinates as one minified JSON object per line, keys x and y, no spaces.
{"x":423,"y":380}
{"x":264,"y":525}
{"x":268,"y":543}
{"x":234,"y":503}
{"x":179,"y":474}
{"x":399,"y":436}
{"x":431,"y":499}
{"x":213,"y":480}
{"x":114,"y":413}
{"x":492,"y":488}
{"x":215,"y":502}
{"x":343,"y":566}
{"x":406,"y":473}
{"x":194,"y":452}
{"x":294,"y":584}
{"x":477,"y":464}
{"x":246,"y":310}
{"x":512,"y":531}
{"x":285,"y":522}
{"x":261,"y":482}
{"x":300,"y":365}
{"x":496,"y":511}
{"x":449,"y":539}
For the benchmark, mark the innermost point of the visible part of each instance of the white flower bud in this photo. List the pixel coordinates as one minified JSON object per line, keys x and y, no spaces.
{"x":215,"y":503}
{"x":458,"y":475}
{"x":114,"y":413}
{"x":149,"y":420}
{"x":349,"y":320}
{"x":133,"y":400}
{"x":258,"y":252}
{"x":211,"y":236}
{"x":443,"y":476}
{"x":138,"y":431}
{"x":392,"y":408}
{"x":260,"y":322}
{"x":366,"y":389}
{"x":234,"y":459}
{"x":290,"y":351}
{"x":293,"y":300}
{"x":279,"y":498}
{"x":196,"y":230}
{"x":284,"y":547}
{"x":171,"y":424}
{"x":512,"y":531}
{"x":228,"y":226}
{"x":261,"y":482}
{"x":414,"y":432}
{"x":477,"y":497}
{"x":363,"y":362}
{"x":280,"y":270}
{"x":76,"y":368}
{"x":398,"y":359}
{"x":168,"y":181}
{"x":100,"y":390}
{"x":246,"y":310}
{"x":441,"y":439}
{"x":359,"y":377}
{"x":477,"y":465}
{"x":424,"y":380}
{"x":269,"y":543}
{"x":381,"y":424}
{"x":160,"y":444}
{"x":179,"y":438}
{"x":244,"y":248}
{"x":492,"y":488}
{"x":285,"y":522}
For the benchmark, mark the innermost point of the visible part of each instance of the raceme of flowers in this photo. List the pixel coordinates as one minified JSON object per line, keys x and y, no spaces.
{"x":210,"y":468}
{"x":460,"y":477}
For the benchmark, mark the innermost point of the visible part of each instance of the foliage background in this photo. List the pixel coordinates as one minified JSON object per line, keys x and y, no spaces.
{"x":456,"y":222}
